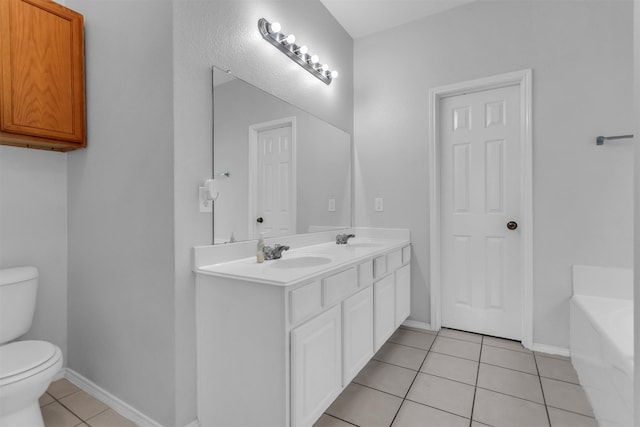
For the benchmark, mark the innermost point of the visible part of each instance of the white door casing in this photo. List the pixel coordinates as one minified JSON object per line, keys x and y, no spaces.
{"x":273,"y":178}
{"x":463,"y":201}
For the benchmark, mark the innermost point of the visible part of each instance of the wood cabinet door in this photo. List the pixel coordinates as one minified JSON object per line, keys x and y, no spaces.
{"x":42,"y":92}
{"x":357,"y":333}
{"x":384,"y":319}
{"x":403,"y":294}
{"x":316,"y":366}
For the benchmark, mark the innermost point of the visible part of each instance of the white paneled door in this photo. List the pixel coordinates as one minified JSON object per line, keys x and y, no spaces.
{"x":275,"y":182}
{"x":480,"y":208}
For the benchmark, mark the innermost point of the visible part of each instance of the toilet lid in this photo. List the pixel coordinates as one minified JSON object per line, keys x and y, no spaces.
{"x":21,"y":356}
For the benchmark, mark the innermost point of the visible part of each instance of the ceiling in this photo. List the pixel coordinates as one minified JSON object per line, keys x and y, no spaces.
{"x":364,"y":17}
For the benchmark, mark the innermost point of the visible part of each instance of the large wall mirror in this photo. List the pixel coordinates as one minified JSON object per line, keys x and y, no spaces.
{"x":277,"y":169}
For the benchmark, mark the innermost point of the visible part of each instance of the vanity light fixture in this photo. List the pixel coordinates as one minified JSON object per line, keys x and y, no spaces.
{"x":300,"y":54}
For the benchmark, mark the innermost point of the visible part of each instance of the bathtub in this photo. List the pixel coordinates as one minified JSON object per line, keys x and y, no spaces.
{"x":601,"y":341}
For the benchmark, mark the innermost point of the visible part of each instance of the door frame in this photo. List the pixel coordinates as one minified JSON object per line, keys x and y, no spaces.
{"x":254,"y":130}
{"x":522,"y":78}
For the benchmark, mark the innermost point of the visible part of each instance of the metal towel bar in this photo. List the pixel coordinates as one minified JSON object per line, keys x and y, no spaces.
{"x":601,"y":139}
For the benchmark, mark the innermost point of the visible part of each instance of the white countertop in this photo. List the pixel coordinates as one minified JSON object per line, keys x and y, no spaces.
{"x":335,"y":257}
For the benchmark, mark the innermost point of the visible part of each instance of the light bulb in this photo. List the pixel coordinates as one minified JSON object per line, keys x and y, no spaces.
{"x":334,"y":74}
{"x":314,"y":59}
{"x":291,"y":39}
{"x":324,"y":67}
{"x":275,"y":27}
{"x":303,"y":50}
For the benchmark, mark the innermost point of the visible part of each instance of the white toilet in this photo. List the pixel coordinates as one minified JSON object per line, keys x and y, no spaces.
{"x":26,"y":367}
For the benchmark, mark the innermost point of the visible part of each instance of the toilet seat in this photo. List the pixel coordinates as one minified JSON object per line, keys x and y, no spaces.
{"x":22,"y":359}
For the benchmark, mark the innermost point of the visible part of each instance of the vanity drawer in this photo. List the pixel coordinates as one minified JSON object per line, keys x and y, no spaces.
{"x":394,"y":260}
{"x":305,"y":301}
{"x":379,"y":266}
{"x":336,"y":287}
{"x":365,"y":273}
{"x":406,"y":254}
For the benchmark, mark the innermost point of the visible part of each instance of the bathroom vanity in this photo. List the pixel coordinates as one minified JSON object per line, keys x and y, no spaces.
{"x":278,"y":341}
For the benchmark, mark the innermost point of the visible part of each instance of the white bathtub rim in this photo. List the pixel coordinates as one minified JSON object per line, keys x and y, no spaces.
{"x":621,"y":355}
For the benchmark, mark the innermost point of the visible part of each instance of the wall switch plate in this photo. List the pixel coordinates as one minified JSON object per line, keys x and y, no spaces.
{"x":206,"y":206}
{"x":379,"y":204}
{"x":332,"y":205}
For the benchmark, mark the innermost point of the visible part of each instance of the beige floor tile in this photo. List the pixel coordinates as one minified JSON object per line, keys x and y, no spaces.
{"x":56,"y":415}
{"x":45,"y":399}
{"x":509,"y":359}
{"x":504,"y":343}
{"x":557,"y":369}
{"x":564,"y":395}
{"x":401,"y":355}
{"x":413,"y":414}
{"x":508,"y":381}
{"x":413,"y":339}
{"x":110,"y":418}
{"x":560,"y":418}
{"x":477,"y":424}
{"x":382,"y":376}
{"x":455,"y":347}
{"x":453,"y":368}
{"x":364,"y":406}
{"x":500,"y":410}
{"x":329,"y":421}
{"x":441,"y":393}
{"x":62,"y":388}
{"x":460,"y":335}
{"x":83,"y":405}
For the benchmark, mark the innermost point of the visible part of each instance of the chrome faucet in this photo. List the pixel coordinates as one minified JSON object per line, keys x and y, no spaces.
{"x":275,"y":252}
{"x":343,"y":239}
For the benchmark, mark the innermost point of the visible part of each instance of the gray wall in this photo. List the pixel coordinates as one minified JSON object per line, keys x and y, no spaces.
{"x":120,"y":202}
{"x":33,"y":231}
{"x":581,"y":80}
{"x":224,"y":33}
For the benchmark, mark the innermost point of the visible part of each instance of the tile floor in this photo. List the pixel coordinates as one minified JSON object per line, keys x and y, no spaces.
{"x":456,"y":378}
{"x":65,"y":405}
{"x":417,"y":379}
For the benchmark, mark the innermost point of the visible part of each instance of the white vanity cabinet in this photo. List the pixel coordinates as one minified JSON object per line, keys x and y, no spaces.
{"x":316,"y":357}
{"x":278,"y":355}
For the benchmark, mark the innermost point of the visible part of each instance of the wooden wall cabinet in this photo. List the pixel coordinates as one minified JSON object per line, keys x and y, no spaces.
{"x":42,"y":83}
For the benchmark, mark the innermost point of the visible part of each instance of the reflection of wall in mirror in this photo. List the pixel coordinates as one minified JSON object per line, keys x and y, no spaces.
{"x":323,"y":161}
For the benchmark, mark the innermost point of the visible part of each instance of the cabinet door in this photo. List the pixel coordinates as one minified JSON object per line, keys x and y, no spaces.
{"x":316,"y":374}
{"x":384,"y":319}
{"x":357,"y":333}
{"x":403,"y":294}
{"x":42,"y":75}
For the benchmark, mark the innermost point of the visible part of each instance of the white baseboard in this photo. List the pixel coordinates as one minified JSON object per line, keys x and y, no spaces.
{"x":550,"y":349}
{"x":418,"y":325}
{"x":112,"y":401}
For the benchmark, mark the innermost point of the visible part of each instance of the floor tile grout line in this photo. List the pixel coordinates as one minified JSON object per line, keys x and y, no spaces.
{"x":572,"y":412}
{"x":511,"y":395}
{"x":475,"y":388}
{"x":511,"y":369}
{"x":338,"y":418}
{"x":412,"y":382}
{"x":393,"y":364}
{"x":407,"y":345}
{"x":439,"y":409}
{"x":544,"y":399}
{"x":458,"y":357}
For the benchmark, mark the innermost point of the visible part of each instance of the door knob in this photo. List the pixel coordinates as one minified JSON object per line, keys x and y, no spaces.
{"x":260,"y":220}
{"x":512,"y":225}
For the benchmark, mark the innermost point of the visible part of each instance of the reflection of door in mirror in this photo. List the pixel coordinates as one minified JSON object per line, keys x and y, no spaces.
{"x":272,"y":193}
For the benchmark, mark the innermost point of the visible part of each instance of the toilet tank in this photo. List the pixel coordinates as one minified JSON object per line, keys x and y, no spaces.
{"x":18,"y":288}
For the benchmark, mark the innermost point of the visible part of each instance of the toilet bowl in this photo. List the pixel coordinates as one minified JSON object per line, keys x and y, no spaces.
{"x":26,"y":367}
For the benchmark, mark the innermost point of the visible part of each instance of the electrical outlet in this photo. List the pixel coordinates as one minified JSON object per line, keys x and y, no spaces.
{"x":206,"y":206}
{"x":332,"y":205}
{"x":379,"y":204}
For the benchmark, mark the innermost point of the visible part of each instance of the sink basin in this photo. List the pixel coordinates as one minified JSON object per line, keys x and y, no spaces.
{"x":363,"y":245}
{"x":301,"y":261}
